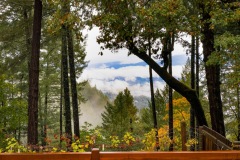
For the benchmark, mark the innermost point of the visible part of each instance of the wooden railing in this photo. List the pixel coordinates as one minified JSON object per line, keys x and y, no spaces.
{"x":96,"y":155}
{"x":210,"y":144}
{"x":210,"y":140}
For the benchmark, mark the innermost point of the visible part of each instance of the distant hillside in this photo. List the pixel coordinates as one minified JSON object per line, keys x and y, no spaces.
{"x":139,"y":101}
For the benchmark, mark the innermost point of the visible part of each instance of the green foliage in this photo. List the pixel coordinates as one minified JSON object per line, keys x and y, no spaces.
{"x":146,"y":115}
{"x":120,"y":116}
{"x":77,"y":146}
{"x":128,"y":138}
{"x":191,"y":142}
{"x":13,"y":146}
{"x":143,"y":21}
{"x":114,"y":141}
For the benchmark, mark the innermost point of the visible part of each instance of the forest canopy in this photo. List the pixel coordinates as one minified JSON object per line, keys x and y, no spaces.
{"x":42,"y":57}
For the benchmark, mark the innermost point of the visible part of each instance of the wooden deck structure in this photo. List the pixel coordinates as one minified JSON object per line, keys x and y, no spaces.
{"x":210,"y":140}
{"x":96,"y":155}
{"x":211,"y":143}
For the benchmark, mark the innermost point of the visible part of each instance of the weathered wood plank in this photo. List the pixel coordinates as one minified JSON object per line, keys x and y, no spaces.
{"x":95,"y":155}
{"x":204,"y":155}
{"x":46,"y":156}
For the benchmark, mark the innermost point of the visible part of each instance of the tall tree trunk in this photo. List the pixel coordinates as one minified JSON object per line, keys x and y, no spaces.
{"x":68,"y":126}
{"x":192,"y":115}
{"x":73,"y":85}
{"x":212,"y":72}
{"x":155,"y":125}
{"x":197,"y":84}
{"x":197,"y":65}
{"x":170,"y":99}
{"x":34,"y":76}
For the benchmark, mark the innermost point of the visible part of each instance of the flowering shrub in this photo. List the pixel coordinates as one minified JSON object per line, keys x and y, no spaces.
{"x":114,"y":141}
{"x":191,"y":142}
{"x":128,"y":138}
{"x":77,"y":146}
{"x":13,"y":146}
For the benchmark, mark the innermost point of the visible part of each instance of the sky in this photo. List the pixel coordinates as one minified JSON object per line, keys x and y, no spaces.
{"x":113,"y":72}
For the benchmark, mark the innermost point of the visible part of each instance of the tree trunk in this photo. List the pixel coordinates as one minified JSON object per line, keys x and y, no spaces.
{"x":212,"y":73}
{"x":27,"y":34}
{"x":61,"y":109}
{"x":34,"y":76}
{"x":181,"y":88}
{"x":197,"y":84}
{"x":68,"y":126}
{"x":73,"y":85}
{"x":153,"y":102}
{"x":170,"y":102}
{"x":192,"y":115}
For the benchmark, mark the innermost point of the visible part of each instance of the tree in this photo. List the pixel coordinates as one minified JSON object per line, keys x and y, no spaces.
{"x":145,"y":117}
{"x":123,"y":24}
{"x":34,"y":76}
{"x":212,"y":70}
{"x":68,"y":125}
{"x":118,"y":116}
{"x":15,"y":53}
{"x":73,"y":80}
{"x":73,"y":56}
{"x":153,"y":104}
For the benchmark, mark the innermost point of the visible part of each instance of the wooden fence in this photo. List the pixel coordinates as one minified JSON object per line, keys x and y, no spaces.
{"x":96,"y":155}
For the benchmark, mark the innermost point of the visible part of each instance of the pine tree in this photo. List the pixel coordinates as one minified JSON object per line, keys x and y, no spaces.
{"x":118,"y":117}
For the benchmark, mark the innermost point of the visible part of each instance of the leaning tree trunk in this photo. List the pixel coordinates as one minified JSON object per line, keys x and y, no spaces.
{"x":181,"y":88}
{"x":32,"y":137}
{"x":212,"y":72}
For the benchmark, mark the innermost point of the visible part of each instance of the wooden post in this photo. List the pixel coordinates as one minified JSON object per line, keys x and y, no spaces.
{"x":201,"y":139}
{"x":184,"y":136}
{"x":95,"y":154}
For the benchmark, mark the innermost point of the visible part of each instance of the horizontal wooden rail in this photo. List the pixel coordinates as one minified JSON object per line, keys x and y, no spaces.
{"x":211,"y":140}
{"x":96,"y":155}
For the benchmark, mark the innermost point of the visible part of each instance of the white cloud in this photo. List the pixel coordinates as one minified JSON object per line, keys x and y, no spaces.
{"x":107,"y":79}
{"x":93,"y":49}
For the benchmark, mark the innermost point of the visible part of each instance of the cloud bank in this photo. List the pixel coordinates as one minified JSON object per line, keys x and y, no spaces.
{"x":113,"y":72}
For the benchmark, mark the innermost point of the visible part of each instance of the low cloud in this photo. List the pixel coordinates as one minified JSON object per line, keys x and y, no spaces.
{"x":113,"y":72}
{"x":135,"y":78}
